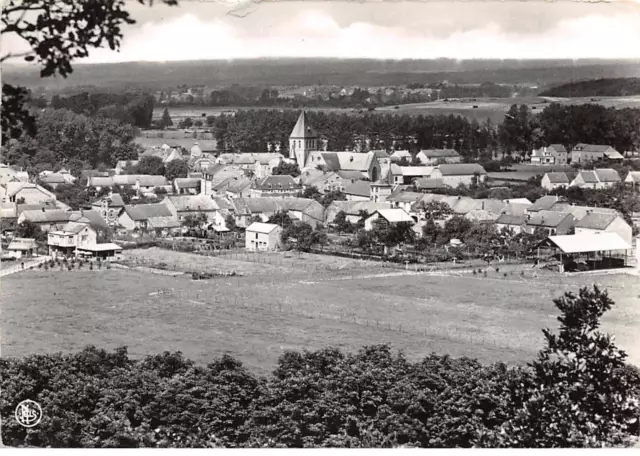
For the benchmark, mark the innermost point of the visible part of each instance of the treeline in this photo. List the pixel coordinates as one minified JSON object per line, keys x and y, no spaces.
{"x":605,"y":87}
{"x":76,"y":141}
{"x":520,"y":132}
{"x":132,"y":108}
{"x":578,"y":392}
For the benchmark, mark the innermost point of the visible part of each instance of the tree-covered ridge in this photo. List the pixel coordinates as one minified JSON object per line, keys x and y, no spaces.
{"x":577,"y":393}
{"x":604,"y":87}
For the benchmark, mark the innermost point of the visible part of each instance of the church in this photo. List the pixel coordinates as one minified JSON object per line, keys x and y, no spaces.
{"x":305,"y":151}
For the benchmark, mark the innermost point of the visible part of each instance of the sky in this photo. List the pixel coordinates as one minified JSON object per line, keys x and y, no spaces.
{"x":200,"y":29}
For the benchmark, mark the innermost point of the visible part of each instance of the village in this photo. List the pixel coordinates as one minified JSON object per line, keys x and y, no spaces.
{"x":371,"y":204}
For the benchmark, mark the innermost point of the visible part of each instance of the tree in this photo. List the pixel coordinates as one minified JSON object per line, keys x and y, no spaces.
{"x":281,"y":218}
{"x":175,"y":169}
{"x":311,"y":193}
{"x":230,"y":222}
{"x":457,"y":227}
{"x":342,"y":224}
{"x":195,"y":221}
{"x":28,"y":229}
{"x":284,"y":168}
{"x":165,"y":121}
{"x":56,"y":33}
{"x":185,"y":123}
{"x":151,"y":165}
{"x":581,"y":393}
{"x":331,"y":196}
{"x":436,"y":210}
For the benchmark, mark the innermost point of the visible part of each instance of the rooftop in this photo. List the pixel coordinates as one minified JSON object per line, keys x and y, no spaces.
{"x":588,"y":242}
{"x":259,"y":227}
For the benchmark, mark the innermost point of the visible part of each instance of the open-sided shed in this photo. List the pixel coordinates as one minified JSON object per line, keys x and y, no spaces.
{"x":589,"y":250}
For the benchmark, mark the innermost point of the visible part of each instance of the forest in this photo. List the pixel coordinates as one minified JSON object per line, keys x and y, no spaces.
{"x":604,"y":87}
{"x":579,"y":392}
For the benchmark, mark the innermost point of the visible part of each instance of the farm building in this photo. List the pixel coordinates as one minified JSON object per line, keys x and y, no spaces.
{"x":462,"y":173}
{"x":390,"y":216}
{"x":12,"y":192}
{"x":183,"y":205}
{"x":552,"y":222}
{"x":586,"y":153}
{"x":437,"y":156}
{"x":235,"y":187}
{"x":303,"y":209}
{"x":633,"y":178}
{"x":399,"y":155}
{"x":263,"y":236}
{"x":22,"y":247}
{"x":354,"y":210}
{"x":555,"y":154}
{"x":598,"y":222}
{"x":141,"y":182}
{"x":513,"y":222}
{"x":102,"y":251}
{"x":587,"y":251}
{"x":187,"y":186}
{"x":544,"y":203}
{"x":551,"y":181}
{"x":425,"y":184}
{"x":407,"y":174}
{"x":596,"y":179}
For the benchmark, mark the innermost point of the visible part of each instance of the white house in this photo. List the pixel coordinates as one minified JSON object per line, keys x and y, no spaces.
{"x":436,"y":156}
{"x":462,"y":173}
{"x":263,"y":236}
{"x":551,"y":181}
{"x":69,"y":238}
{"x":390,"y":216}
{"x":596,"y":179}
{"x":585,"y":153}
{"x":555,"y":154}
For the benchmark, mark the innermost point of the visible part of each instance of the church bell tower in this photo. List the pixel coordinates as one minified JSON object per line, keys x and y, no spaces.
{"x":302,"y":140}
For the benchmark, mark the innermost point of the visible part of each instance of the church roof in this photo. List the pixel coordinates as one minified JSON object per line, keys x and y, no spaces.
{"x":303,"y":129}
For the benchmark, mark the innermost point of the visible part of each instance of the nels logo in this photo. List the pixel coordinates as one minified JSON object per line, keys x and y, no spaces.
{"x":28,"y":413}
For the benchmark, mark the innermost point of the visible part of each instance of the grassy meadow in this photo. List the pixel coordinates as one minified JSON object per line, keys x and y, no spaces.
{"x":305,"y":304}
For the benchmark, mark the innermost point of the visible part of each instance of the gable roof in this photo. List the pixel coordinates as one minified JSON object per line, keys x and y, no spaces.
{"x":461,"y":169}
{"x":395,"y":215}
{"x":22,"y":244}
{"x":139,"y":212}
{"x":596,"y":221}
{"x":549,"y":219}
{"x":558,"y":148}
{"x":15,"y":187}
{"x":114,"y":200}
{"x":195,"y":203}
{"x":259,"y":227}
{"x":607,"y":175}
{"x":52,"y":178}
{"x":588,"y":242}
{"x":633,"y":176}
{"x":276,"y":182}
{"x":511,"y":219}
{"x":543,"y":203}
{"x":591,"y":147}
{"x":579,"y":212}
{"x":187,"y":182}
{"x":350,"y":175}
{"x":428,"y":182}
{"x":359,"y":188}
{"x":557,"y":178}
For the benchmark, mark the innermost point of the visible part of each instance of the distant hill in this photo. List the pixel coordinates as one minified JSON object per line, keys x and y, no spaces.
{"x":316,"y":71}
{"x":605,"y":87}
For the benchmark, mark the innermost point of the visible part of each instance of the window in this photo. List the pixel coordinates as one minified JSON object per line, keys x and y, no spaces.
{"x":84,"y":238}
{"x":256,"y":235}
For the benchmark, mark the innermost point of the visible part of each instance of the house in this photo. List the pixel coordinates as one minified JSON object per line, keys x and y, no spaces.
{"x":121,"y":165}
{"x":9,"y":174}
{"x":543,"y":203}
{"x":633,"y":178}
{"x":358,"y":191}
{"x":370,"y":164}
{"x":263,"y":236}
{"x":586,"y":153}
{"x":462,"y":173}
{"x":381,"y":190}
{"x":482,"y":216}
{"x":52,"y":179}
{"x":260,"y":164}
{"x":405,"y":201}
{"x":551,"y":181}
{"x":156,"y":218}
{"x":596,"y":179}
{"x":25,"y":193}
{"x":598,"y":222}
{"x":166,"y":153}
{"x":438,"y":156}
{"x":275,"y":186}
{"x":401,"y":155}
{"x":407,"y":174}
{"x":187,"y":185}
{"x":50,"y":220}
{"x":143,"y":183}
{"x":109,"y":207}
{"x":580,"y":212}
{"x":388,"y":216}
{"x":183,"y":205}
{"x":353,"y":209}
{"x":552,"y":222}
{"x":68,"y":238}
{"x":512,"y":222}
{"x":22,"y":247}
{"x":302,"y":209}
{"x":325,"y":181}
{"x":426,"y":184}
{"x":555,"y":154}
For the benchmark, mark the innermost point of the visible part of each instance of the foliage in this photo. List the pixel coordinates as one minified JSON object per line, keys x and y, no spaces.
{"x":132,"y":108}
{"x":342,"y":224}
{"x":281,"y":218}
{"x":57,"y":33}
{"x":603,"y":87}
{"x":76,"y":195}
{"x":230,"y":222}
{"x":194,"y":221}
{"x":175,"y":169}
{"x":331,"y":196}
{"x":166,"y":119}
{"x":150,"y":165}
{"x":304,"y":237}
{"x":578,"y":393}
{"x":284,"y":168}
{"x":392,"y":234}
{"x":28,"y":229}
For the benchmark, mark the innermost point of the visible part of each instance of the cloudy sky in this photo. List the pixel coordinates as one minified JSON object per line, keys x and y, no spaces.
{"x":203,"y":29}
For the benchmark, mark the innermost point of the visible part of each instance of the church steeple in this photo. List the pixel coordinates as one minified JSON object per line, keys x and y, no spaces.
{"x":302,"y":140}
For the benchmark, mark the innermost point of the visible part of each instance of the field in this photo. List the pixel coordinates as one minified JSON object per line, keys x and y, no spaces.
{"x":291,"y":303}
{"x":479,"y":109}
